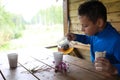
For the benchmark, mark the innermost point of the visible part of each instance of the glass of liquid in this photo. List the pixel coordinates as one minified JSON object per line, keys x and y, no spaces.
{"x":65,"y":46}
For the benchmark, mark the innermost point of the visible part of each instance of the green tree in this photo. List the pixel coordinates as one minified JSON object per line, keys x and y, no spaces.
{"x":49,"y":16}
{"x":10,"y":25}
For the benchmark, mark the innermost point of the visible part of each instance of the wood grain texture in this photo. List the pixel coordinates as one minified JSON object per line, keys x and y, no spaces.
{"x":65,"y":16}
{"x":41,"y":59}
{"x":112,"y":6}
{"x":116,"y":26}
{"x":114,"y":17}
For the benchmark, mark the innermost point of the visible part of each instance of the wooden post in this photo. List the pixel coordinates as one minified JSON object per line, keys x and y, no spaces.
{"x":65,"y":16}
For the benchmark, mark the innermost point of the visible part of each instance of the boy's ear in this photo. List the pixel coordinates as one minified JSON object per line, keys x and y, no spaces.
{"x":100,"y":23}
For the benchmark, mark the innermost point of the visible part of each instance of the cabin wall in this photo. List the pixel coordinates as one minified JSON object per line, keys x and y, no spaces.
{"x":113,"y":16}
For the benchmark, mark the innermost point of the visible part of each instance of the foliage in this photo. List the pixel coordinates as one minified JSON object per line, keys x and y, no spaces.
{"x":49,"y":16}
{"x":10,"y":25}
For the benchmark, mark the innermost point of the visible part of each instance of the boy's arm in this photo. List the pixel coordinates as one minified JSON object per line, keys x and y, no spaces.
{"x":116,"y":51}
{"x":83,"y":38}
{"x":116,"y":69}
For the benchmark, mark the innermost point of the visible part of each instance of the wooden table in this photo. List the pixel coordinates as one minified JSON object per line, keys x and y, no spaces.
{"x":42,"y":59}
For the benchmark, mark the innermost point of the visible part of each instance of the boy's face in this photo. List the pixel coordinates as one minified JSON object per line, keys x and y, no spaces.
{"x":88,"y":27}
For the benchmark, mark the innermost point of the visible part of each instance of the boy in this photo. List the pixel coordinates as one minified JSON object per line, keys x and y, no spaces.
{"x":100,"y":35}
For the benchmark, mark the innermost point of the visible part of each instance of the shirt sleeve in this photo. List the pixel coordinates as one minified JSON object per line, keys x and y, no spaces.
{"x":83,"y":38}
{"x":117,"y":55}
{"x":117,"y":66}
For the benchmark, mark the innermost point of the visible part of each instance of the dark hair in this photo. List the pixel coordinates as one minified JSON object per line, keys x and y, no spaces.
{"x":93,"y":10}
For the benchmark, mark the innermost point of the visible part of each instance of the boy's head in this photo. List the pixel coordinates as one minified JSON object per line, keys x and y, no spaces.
{"x":93,"y":16}
{"x":93,"y":10}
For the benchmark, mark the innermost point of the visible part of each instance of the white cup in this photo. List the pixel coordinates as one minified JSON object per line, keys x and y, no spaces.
{"x":58,"y":57}
{"x":12,"y":59}
{"x":97,"y":55}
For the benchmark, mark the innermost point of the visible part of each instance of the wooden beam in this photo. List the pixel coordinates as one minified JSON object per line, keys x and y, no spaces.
{"x":78,"y":53}
{"x":65,"y":16}
{"x":54,"y":46}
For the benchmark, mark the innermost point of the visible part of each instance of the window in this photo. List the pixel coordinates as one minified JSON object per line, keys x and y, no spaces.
{"x":26,"y":23}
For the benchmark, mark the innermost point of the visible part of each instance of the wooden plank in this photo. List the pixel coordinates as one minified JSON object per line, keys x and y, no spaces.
{"x":65,"y":15}
{"x":13,"y":74}
{"x":114,"y":17}
{"x":76,"y":27}
{"x":87,"y":58}
{"x":112,"y":6}
{"x":74,"y":1}
{"x":74,"y":6}
{"x":45,"y":72}
{"x":76,"y":61}
{"x":88,"y":66}
{"x":84,"y":52}
{"x":105,"y":1}
{"x":75,"y":20}
{"x":49,"y":60}
{"x":40,"y":70}
{"x":78,"y":31}
{"x":42,"y":61}
{"x":78,"y":53}
{"x":116,"y":26}
{"x":51,"y":75}
{"x":17,"y":74}
{"x":82,"y":46}
{"x":108,"y":1}
{"x":73,"y":13}
{"x":72,"y":74}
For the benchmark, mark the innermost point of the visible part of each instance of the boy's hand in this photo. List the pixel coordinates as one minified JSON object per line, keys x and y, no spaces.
{"x":70,"y":36}
{"x":105,"y":66}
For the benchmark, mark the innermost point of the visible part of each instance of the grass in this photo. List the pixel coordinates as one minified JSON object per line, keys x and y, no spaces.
{"x":36,"y":35}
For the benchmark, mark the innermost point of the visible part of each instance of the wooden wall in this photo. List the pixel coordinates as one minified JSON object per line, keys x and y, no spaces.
{"x":113,"y":15}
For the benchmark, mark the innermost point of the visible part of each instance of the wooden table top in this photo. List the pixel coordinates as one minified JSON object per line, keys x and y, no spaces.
{"x":37,"y":64}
